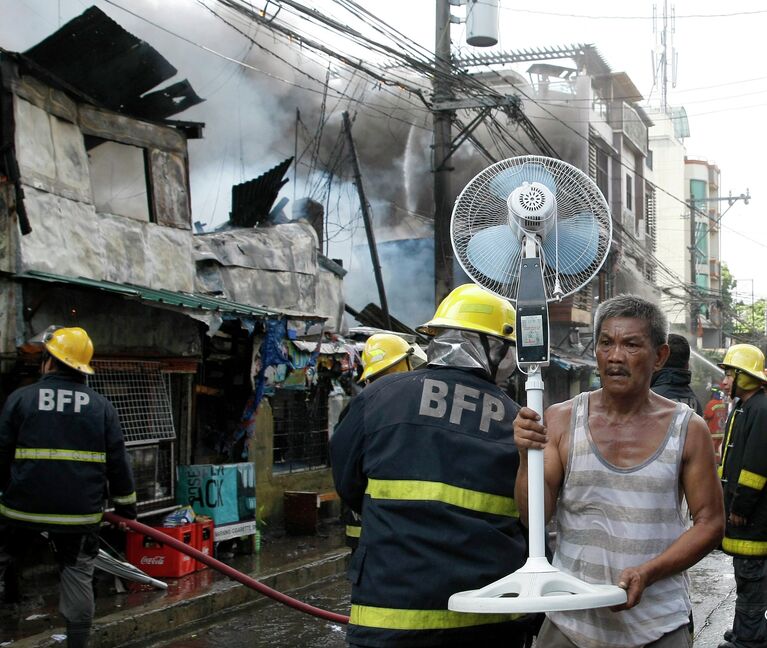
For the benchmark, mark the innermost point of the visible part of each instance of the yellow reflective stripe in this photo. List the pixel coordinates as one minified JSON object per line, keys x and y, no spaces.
{"x":752,"y":480}
{"x":411,"y":489}
{"x":124,"y":499}
{"x":466,"y":307}
{"x":59,"y":454}
{"x":50,"y":518}
{"x":402,"y":619}
{"x":353,"y":531}
{"x":726,"y":444}
{"x":744,"y":547}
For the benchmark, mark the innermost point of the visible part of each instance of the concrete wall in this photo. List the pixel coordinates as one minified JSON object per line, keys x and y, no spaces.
{"x":270,"y":488}
{"x":68,"y":233}
{"x":672,"y":223}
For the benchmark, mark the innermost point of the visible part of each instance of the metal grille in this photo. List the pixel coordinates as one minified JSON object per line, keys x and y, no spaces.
{"x":300,"y":430}
{"x":140,"y":396}
{"x":154,"y":472}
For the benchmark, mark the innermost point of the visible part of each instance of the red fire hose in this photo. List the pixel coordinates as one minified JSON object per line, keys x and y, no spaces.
{"x":225,"y":569}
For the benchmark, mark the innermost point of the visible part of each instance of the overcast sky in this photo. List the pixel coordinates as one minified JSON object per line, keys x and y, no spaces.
{"x":721,"y":79}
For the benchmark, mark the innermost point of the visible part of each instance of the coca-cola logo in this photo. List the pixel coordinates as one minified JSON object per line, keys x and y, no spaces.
{"x":152,"y":560}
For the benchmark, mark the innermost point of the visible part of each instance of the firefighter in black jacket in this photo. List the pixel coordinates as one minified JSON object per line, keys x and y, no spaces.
{"x":673,"y":379}
{"x":744,"y":476}
{"x":61,"y":447}
{"x":428,"y":458}
{"x":383,"y":354}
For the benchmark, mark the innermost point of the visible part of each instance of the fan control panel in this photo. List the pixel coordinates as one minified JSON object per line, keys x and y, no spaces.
{"x":532,"y":325}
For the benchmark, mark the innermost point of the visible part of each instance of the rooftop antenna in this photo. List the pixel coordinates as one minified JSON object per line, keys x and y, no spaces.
{"x":664,"y":39}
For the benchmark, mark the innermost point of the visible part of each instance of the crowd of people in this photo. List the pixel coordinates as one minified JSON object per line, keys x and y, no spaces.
{"x":431,"y":461}
{"x":435,"y":462}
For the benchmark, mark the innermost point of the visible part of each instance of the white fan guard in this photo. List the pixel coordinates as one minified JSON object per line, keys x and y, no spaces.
{"x":482,"y":210}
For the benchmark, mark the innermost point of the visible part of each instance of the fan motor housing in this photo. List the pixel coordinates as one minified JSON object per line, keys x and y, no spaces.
{"x":532,"y":209}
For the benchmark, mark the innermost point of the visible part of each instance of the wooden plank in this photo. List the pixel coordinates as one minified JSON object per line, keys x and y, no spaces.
{"x":48,"y":99}
{"x":128,"y":130}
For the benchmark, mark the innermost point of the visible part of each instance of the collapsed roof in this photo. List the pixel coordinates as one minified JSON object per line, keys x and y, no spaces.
{"x":96,"y":58}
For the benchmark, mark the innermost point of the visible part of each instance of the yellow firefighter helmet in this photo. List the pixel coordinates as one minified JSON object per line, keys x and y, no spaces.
{"x":748,"y":361}
{"x":471,"y":308}
{"x":384,"y":353}
{"x":72,"y":346}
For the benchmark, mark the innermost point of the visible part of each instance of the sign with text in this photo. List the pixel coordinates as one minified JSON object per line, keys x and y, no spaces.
{"x":210,"y":490}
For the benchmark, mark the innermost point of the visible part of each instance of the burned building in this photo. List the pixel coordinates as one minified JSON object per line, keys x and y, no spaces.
{"x":96,"y":231}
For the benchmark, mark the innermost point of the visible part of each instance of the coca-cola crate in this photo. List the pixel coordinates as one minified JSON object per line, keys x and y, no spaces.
{"x":158,"y":559}
{"x":203,"y":540}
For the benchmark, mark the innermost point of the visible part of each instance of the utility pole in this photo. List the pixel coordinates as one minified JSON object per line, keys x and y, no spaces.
{"x":444,"y":106}
{"x":442,"y":121}
{"x":694,"y":306}
{"x":367,"y":221}
{"x":693,"y":202}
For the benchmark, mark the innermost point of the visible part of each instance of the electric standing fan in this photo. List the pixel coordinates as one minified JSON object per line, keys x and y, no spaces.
{"x":533,"y":229}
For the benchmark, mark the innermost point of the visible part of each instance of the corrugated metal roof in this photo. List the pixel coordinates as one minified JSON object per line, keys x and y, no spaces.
{"x":326,"y":348}
{"x":97,"y":57}
{"x":253,"y":200}
{"x":373,"y":316}
{"x":185,"y":300}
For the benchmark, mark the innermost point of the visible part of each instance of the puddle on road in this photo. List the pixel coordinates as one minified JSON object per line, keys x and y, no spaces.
{"x":276,"y":625}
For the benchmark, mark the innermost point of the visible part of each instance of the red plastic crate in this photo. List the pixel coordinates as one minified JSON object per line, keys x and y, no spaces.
{"x":203,"y":540}
{"x":157,"y":559}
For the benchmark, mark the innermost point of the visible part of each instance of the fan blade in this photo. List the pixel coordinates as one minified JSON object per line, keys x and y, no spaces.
{"x":578,"y":244}
{"x":503,"y":184}
{"x":494,"y":252}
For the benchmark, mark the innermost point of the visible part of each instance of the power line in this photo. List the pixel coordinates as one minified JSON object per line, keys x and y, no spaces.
{"x":729,"y":14}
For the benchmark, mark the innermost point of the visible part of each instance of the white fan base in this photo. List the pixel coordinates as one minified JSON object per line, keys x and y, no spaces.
{"x":537,"y":587}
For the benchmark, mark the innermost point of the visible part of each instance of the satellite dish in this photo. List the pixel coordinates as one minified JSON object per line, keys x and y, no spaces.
{"x":532,"y":230}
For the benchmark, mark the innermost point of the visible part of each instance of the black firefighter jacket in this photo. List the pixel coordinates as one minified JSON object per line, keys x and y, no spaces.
{"x":428,"y":458}
{"x":744,"y":475}
{"x":61,"y":445}
{"x":674,"y":384}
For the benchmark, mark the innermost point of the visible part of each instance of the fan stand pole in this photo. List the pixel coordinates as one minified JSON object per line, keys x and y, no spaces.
{"x":537,"y":586}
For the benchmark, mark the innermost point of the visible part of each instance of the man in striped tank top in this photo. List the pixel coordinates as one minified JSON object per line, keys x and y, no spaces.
{"x":617,"y":462}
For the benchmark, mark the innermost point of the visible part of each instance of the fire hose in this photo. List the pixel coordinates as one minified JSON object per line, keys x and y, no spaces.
{"x":225,"y":569}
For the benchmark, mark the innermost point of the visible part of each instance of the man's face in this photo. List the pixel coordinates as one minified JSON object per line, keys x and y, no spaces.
{"x":729,"y":376}
{"x":625,"y":355}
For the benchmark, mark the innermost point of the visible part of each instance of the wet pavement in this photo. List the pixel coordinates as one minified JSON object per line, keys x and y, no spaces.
{"x":136,"y":616}
{"x":206,"y":609}
{"x":275,"y":625}
{"x":712,"y":590}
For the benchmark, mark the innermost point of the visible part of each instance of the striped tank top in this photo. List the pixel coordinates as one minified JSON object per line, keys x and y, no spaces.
{"x":610,"y":518}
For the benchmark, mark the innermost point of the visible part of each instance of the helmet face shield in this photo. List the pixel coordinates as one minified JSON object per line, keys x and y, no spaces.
{"x":747,"y":363}
{"x":467,"y":350}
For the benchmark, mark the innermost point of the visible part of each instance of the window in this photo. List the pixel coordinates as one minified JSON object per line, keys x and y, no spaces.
{"x":154,"y":472}
{"x":119,"y":179}
{"x":139,"y":392}
{"x":598,"y":103}
{"x":650,"y":219}
{"x":300,"y":429}
{"x":602,"y":173}
{"x":140,"y":396}
{"x":629,"y":193}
